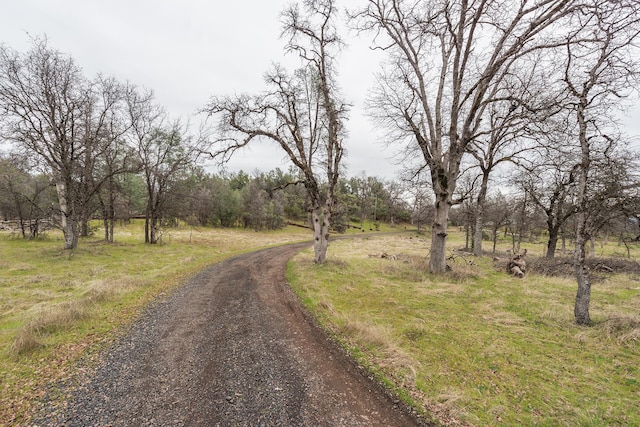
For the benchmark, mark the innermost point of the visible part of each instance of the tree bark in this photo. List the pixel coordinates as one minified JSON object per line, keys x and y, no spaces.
{"x":68,"y":221}
{"x":105,"y":224}
{"x":153,"y":235}
{"x":583,"y":296}
{"x":479,"y":213}
{"x":477,"y":236}
{"x":147,"y":227}
{"x":84,"y":227}
{"x":552,"y":244}
{"x":437,"y":259}
{"x":320,"y":217}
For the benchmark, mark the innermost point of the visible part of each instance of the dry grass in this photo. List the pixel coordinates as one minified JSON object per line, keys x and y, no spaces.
{"x":25,"y":341}
{"x":56,"y":304}
{"x":50,"y":320}
{"x":623,"y":329}
{"x":476,"y":346}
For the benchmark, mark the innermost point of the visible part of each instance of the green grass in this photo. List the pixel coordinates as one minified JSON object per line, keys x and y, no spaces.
{"x":57,"y":306}
{"x":477,"y":346}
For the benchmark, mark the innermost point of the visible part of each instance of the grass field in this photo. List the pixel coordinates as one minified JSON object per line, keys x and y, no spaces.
{"x":473,"y":347}
{"x":57,"y":306}
{"x":478,"y":347}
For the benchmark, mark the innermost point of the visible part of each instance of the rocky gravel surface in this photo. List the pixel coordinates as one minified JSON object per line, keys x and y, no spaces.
{"x":233,"y":347}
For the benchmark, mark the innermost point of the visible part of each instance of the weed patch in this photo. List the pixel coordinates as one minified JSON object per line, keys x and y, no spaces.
{"x":25,"y":342}
{"x":623,"y":329}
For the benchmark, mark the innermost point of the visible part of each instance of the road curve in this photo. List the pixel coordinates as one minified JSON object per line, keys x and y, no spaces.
{"x":232,"y":347}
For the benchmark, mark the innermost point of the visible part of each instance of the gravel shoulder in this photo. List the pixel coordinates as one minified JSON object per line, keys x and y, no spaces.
{"x":232,"y":347}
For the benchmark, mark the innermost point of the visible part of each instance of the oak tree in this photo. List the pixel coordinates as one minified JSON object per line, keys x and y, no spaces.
{"x":445,"y":60}
{"x":599,"y":68}
{"x":301,"y":112}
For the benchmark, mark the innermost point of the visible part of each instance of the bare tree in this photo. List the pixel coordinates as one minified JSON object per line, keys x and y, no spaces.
{"x":398,"y":206}
{"x":499,"y":212}
{"x":24,"y":196}
{"x":118,"y":160}
{"x":153,"y":142}
{"x":52,"y":111}
{"x":445,"y":60}
{"x":360,"y":187}
{"x":550,"y":184}
{"x":421,"y":206}
{"x":165,"y":156}
{"x":599,"y":69}
{"x":105,"y":122}
{"x":509,"y":129}
{"x":41,"y":98}
{"x":301,"y":112}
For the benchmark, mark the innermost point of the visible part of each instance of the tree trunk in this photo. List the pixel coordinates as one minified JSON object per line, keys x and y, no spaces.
{"x":111,"y":215}
{"x":479,"y":212}
{"x":466,"y":235}
{"x":34,"y":229}
{"x":105,"y":224}
{"x":21,"y":217}
{"x":68,"y":221}
{"x":112,"y":223}
{"x":437,"y":259}
{"x":153,"y":230}
{"x":71,"y":236}
{"x":107,"y":217}
{"x":552,"y":244}
{"x":320,"y":218}
{"x":147,"y":228}
{"x":477,"y":235}
{"x":84,"y":227}
{"x":583,"y":296}
{"x":495,"y":239}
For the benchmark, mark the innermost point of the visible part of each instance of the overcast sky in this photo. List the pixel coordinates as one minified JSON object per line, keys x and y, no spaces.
{"x":188,"y":50}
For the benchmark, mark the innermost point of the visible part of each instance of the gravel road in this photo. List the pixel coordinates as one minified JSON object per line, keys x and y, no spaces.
{"x":233,"y":347}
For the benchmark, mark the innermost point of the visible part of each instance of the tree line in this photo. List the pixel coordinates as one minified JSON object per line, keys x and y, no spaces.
{"x":261,"y":201}
{"x":84,"y":134}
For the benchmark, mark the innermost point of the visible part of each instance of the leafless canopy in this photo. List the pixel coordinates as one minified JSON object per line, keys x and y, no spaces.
{"x":449,"y":63}
{"x":301,"y":111}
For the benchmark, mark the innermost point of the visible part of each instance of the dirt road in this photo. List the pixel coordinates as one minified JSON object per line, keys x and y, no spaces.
{"x":232,"y":347}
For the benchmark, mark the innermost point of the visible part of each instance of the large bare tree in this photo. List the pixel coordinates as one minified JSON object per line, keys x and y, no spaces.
{"x":445,"y":60}
{"x":301,"y":112}
{"x":600,"y":68}
{"x":49,"y":109}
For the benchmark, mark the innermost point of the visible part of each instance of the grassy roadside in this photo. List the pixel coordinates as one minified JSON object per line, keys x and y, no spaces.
{"x":57,"y":306}
{"x":476,"y":346}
